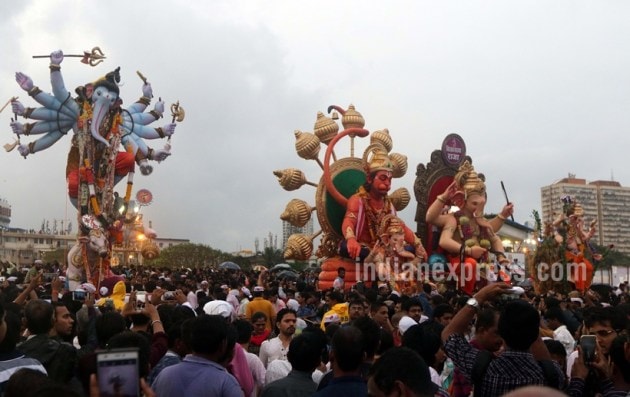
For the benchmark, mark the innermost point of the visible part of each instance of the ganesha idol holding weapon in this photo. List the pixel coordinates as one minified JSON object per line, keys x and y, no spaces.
{"x":100,"y":127}
{"x":467,"y":236}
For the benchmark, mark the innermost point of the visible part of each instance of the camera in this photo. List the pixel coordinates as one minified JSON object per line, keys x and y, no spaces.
{"x":118,"y":372}
{"x":49,"y":277}
{"x":587,"y":343}
{"x":78,"y":295}
{"x":168,"y":296}
{"x":141,"y":298}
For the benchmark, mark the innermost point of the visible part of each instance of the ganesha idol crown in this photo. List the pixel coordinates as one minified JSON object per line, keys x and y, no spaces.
{"x":391,"y":224}
{"x":110,"y":81}
{"x":468,"y":180}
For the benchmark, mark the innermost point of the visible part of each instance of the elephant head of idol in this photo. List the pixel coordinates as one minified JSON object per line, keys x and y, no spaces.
{"x":104,"y":97}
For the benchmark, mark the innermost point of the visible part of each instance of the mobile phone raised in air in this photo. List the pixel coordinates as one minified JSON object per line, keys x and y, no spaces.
{"x":587,"y":343}
{"x":141,"y":298}
{"x":78,"y":295}
{"x":48,"y":277}
{"x":117,"y":371}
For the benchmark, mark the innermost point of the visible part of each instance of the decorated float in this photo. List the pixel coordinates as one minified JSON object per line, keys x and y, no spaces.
{"x":341,"y":188}
{"x":107,"y":143}
{"x":565,"y":258}
{"x":463,"y":245}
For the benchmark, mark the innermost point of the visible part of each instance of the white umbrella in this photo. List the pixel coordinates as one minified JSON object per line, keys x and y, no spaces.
{"x":281,"y":266}
{"x":229,"y":266}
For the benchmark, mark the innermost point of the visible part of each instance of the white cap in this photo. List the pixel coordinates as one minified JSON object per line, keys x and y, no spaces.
{"x":218,"y":307}
{"x":332,"y":318}
{"x":277,"y":369}
{"x":88,"y":287}
{"x":258,"y":288}
{"x":405,"y":323}
{"x":577,"y":300}
{"x":12,"y":279}
{"x":246,"y":291}
{"x":293,"y":304}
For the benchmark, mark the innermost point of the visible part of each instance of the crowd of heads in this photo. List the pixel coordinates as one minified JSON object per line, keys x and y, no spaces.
{"x":391,"y":339}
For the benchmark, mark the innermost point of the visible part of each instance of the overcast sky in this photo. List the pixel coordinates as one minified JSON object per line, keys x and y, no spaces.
{"x":537,"y":89}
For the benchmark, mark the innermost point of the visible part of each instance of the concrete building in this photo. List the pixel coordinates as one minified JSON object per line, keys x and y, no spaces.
{"x":22,"y":247}
{"x":605,"y":201}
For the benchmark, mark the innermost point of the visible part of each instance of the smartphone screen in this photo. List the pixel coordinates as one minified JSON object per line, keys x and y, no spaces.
{"x":78,"y":295}
{"x":587,"y":343}
{"x":48,"y":277}
{"x":117,"y":372}
{"x":141,"y":299}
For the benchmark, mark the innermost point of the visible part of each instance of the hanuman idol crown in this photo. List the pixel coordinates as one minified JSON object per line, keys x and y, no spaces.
{"x":469,"y":181}
{"x":376,"y":158}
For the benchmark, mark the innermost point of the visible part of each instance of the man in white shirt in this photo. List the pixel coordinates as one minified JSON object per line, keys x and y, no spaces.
{"x":339,"y":283}
{"x":278,"y":347}
{"x":555,"y":321}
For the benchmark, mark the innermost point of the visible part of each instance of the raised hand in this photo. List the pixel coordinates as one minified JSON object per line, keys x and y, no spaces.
{"x":25,"y":82}
{"x":450,"y":191}
{"x":56,"y":57}
{"x":169,"y":129}
{"x":24,"y":150}
{"x":17,"y":127}
{"x":147,"y":90}
{"x":508,"y":210}
{"x":159,"y":107}
{"x":145,"y":167}
{"x":17,"y":107}
{"x":161,"y":154}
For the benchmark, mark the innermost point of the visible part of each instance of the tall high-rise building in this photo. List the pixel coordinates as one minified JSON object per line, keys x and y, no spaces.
{"x":5,"y":213}
{"x":605,"y":201}
{"x":288,"y":229}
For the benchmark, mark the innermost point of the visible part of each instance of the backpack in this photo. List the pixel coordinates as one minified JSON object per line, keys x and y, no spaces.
{"x":485,"y":357}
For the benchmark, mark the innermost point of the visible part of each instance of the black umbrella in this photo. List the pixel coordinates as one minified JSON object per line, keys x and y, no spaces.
{"x":287,"y":274}
{"x":281,"y":266}
{"x":229,"y":266}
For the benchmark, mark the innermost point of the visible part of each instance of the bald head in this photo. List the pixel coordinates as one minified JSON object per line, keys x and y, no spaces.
{"x":535,"y":391}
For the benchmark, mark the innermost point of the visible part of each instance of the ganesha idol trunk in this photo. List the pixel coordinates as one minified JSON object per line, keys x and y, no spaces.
{"x":354,"y":272}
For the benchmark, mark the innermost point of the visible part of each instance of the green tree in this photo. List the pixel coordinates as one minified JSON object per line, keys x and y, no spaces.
{"x":59,"y":255}
{"x":272,"y":256}
{"x":188,"y":255}
{"x":611,"y":258}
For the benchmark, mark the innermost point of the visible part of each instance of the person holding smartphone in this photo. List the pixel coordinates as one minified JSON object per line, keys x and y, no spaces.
{"x":593,"y":370}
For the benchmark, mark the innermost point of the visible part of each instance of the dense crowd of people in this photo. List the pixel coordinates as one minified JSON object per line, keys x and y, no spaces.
{"x":210,"y":332}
